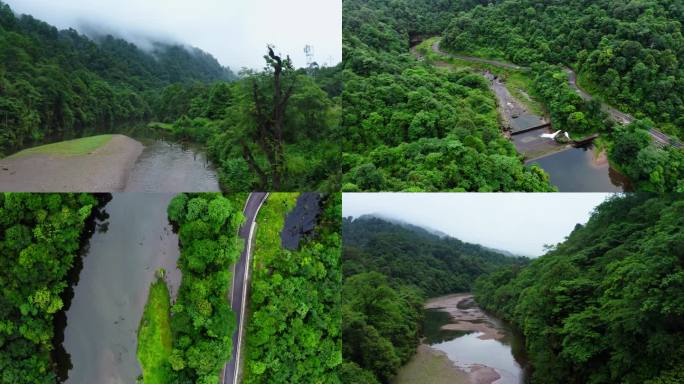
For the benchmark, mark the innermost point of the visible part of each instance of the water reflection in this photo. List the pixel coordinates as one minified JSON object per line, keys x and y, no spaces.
{"x":130,"y":241}
{"x":581,"y":170}
{"x":468,"y":349}
{"x":165,"y":166}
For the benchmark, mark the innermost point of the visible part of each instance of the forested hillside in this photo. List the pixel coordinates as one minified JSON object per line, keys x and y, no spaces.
{"x":202,"y":323}
{"x":274,"y":129}
{"x":389,"y":270}
{"x":413,"y":256}
{"x":40,"y":236}
{"x":293,"y":335}
{"x":629,"y":54}
{"x":230,"y":120}
{"x":607,"y":304}
{"x":409,"y":126}
{"x":59,"y":83}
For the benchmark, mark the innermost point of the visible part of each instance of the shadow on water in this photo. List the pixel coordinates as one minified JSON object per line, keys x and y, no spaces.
{"x":432,"y":323}
{"x":130,"y":239}
{"x":96,"y":223}
{"x":301,"y":221}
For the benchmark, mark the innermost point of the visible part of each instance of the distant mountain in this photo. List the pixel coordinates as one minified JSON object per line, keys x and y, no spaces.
{"x":60,"y":83}
{"x":433,"y":231}
{"x":405,"y":224}
{"x":409,"y":254}
{"x":501,"y":251}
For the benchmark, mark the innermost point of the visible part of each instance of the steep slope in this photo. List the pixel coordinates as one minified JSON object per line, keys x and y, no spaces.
{"x":389,"y":269}
{"x":412,"y":127}
{"x":607,"y":304}
{"x":412,"y":255}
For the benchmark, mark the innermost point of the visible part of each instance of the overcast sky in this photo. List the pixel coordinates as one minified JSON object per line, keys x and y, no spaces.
{"x":234,"y":31}
{"x":517,"y":222}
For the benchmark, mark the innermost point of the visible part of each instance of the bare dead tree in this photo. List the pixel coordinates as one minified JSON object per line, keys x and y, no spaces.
{"x":270,"y":118}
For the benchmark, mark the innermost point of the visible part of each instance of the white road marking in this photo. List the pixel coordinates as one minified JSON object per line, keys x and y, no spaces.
{"x":244,"y":288}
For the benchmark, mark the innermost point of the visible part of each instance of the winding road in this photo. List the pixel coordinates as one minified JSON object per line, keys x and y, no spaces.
{"x":616,"y":115}
{"x":239,"y":286}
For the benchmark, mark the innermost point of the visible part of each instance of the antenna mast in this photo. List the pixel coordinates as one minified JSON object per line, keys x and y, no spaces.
{"x":308,"y":51}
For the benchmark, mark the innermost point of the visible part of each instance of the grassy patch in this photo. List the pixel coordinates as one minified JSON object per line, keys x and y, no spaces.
{"x":162,"y":126}
{"x":75,"y":147}
{"x":270,"y":222}
{"x":520,"y":85}
{"x":154,"y":335}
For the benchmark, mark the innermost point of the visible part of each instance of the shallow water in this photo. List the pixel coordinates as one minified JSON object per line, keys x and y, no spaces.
{"x":466,"y":349}
{"x":170,"y":167}
{"x":575,"y":170}
{"x":100,"y":333}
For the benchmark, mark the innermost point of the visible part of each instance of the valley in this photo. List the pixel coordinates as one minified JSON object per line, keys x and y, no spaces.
{"x":614,"y":122}
{"x":420,"y":305}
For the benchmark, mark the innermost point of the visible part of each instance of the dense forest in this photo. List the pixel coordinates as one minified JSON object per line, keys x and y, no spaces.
{"x":607,"y":304}
{"x":40,"y":236}
{"x":293,"y":333}
{"x":389,"y":269}
{"x":58,"y":84}
{"x":630,"y":54}
{"x":409,"y":126}
{"x":202,"y":323}
{"x":233,"y":121}
{"x":274,"y":129}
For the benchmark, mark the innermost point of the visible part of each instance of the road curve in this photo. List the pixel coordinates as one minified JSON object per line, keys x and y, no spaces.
{"x":616,"y":115}
{"x":437,"y":49}
{"x":238,"y":291}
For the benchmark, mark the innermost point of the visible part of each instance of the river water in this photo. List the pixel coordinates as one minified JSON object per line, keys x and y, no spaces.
{"x":165,"y":166}
{"x":132,"y":240}
{"x":577,"y":170}
{"x":471,"y":338}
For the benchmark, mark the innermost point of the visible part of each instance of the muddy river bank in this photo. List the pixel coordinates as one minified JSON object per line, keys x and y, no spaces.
{"x":127,"y":163}
{"x":462,"y":344}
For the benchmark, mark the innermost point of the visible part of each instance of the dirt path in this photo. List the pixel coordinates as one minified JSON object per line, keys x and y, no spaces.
{"x":103,"y":170}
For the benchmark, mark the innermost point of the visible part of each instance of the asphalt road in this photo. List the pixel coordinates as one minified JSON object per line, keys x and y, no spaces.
{"x":238,"y":291}
{"x":616,"y":115}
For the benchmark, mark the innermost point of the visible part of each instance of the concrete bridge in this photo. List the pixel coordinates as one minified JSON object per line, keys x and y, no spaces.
{"x":533,"y":128}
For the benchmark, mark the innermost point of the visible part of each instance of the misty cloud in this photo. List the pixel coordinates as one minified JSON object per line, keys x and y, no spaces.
{"x":517,"y":222}
{"x":236,"y":32}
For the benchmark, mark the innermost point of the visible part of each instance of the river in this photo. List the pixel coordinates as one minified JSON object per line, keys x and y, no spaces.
{"x":165,"y":166}
{"x":462,"y":344}
{"x":132,"y":240}
{"x":570,"y":169}
{"x":582,"y":170}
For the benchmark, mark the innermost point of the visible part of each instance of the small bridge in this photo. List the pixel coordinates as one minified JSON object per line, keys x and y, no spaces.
{"x":585,"y":140}
{"x":533,"y":128}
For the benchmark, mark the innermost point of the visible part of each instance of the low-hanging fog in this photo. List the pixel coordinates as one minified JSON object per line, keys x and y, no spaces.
{"x":236,"y":32}
{"x":517,"y":222}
